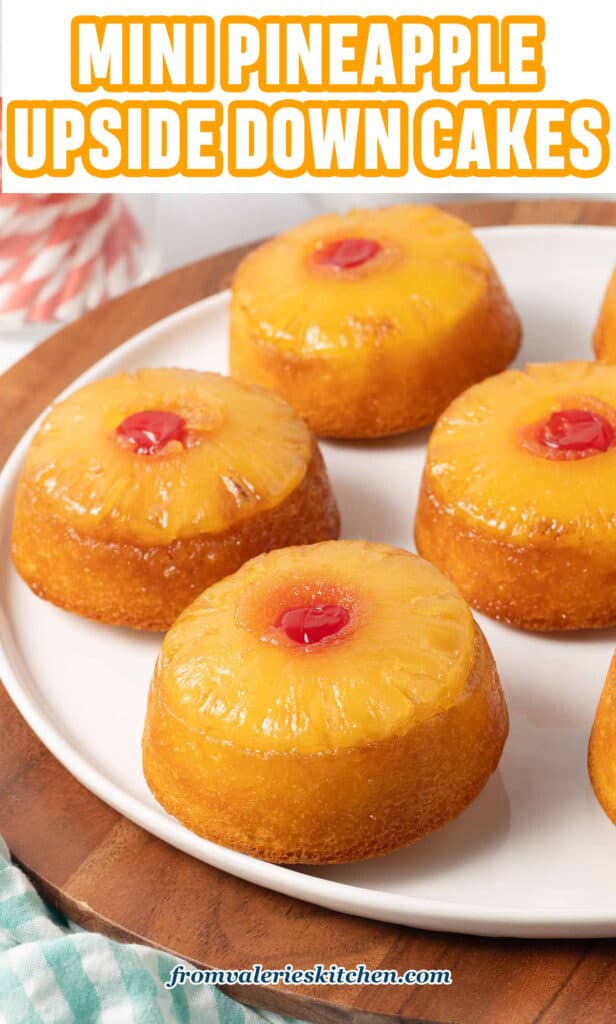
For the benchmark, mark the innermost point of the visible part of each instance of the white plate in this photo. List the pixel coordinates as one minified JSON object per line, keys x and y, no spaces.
{"x":534,"y":855}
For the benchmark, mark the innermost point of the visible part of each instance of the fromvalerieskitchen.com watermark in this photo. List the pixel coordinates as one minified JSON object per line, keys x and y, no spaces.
{"x":181,"y":974}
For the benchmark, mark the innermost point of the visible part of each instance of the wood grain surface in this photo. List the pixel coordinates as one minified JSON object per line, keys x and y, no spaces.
{"x":110,"y":875}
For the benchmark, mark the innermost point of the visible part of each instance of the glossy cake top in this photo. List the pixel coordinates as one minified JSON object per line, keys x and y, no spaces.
{"x":164,"y":454}
{"x":318,"y":648}
{"x":340,"y":281}
{"x":531,"y":455}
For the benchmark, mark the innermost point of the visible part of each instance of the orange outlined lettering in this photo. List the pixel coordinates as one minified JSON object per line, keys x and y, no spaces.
{"x":142,"y":54}
{"x":322,"y":139}
{"x":506,"y":139}
{"x":381,"y":54}
{"x":153,"y":139}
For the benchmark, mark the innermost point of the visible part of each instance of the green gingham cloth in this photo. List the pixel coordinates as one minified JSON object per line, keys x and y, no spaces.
{"x":50,"y":974}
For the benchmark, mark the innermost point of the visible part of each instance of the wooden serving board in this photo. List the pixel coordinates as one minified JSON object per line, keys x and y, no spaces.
{"x":109,"y":875}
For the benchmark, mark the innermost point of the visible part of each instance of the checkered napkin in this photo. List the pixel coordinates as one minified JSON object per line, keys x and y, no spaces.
{"x":50,"y":974}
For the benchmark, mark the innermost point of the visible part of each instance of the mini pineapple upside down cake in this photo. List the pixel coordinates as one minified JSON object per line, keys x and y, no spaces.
{"x":604,"y":338}
{"x":370,"y":323}
{"x":518,"y":499}
{"x":140,"y":490}
{"x":324,"y":704}
{"x":602,"y":746}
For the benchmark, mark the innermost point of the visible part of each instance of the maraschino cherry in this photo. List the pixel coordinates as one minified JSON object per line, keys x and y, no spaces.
{"x":148,"y":432}
{"x":577,"y":430}
{"x":346,"y":253}
{"x":312,"y":623}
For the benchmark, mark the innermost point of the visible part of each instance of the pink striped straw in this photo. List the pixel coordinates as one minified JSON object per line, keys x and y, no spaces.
{"x":61,"y":255}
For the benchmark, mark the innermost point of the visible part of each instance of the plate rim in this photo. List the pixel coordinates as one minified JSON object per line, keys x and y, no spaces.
{"x":414,"y":911}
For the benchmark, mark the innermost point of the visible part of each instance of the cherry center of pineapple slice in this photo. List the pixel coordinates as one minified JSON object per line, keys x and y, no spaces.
{"x":577,"y":430}
{"x":148,"y":432}
{"x":345,"y":253}
{"x":312,"y":623}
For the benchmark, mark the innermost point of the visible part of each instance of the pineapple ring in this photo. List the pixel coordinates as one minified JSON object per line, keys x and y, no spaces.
{"x":525,"y":530}
{"x":121,"y":536}
{"x":370,"y":323}
{"x":602,"y":746}
{"x":335,"y":750}
{"x":102,"y":486}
